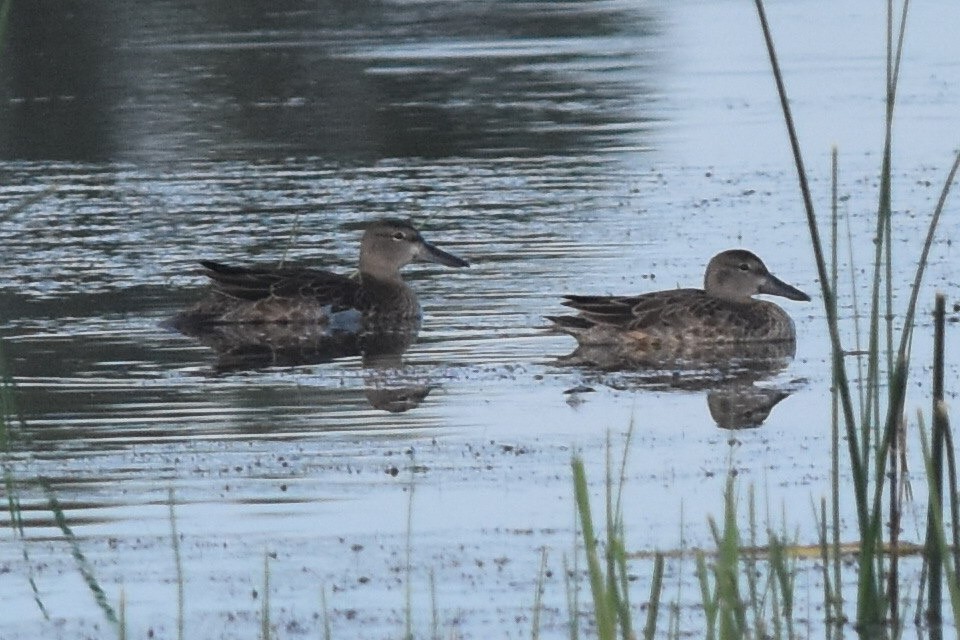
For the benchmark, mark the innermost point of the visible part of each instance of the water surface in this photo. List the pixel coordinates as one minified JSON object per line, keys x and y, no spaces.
{"x":587,"y":147}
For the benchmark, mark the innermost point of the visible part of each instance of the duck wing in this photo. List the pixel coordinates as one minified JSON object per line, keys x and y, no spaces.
{"x":660,"y":309}
{"x":688,"y":310}
{"x":694,"y":315}
{"x":258,"y":283}
{"x":613,"y":311}
{"x":680,"y":309}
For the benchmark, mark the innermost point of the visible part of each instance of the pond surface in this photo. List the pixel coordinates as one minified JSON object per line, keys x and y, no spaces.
{"x":573,"y":147}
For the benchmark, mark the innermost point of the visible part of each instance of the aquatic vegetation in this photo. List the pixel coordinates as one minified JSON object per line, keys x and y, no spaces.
{"x":10,"y":418}
{"x":872,"y":436}
{"x":746,"y":585}
{"x":733,"y":596}
{"x":734,"y":606}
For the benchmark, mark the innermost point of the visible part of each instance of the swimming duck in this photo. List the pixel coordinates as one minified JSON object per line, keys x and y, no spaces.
{"x":377,"y":300}
{"x":722,"y":313}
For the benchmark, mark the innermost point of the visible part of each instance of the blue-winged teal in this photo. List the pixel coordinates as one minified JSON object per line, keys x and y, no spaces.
{"x":377,"y":300}
{"x":722,"y":313}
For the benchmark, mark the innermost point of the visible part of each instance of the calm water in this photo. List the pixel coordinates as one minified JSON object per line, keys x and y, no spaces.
{"x":560,"y":147}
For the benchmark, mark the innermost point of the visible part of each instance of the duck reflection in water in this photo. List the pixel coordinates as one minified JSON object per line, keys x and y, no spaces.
{"x":728,"y":379}
{"x":718,"y":338}
{"x":742,"y":406}
{"x":255,"y":317}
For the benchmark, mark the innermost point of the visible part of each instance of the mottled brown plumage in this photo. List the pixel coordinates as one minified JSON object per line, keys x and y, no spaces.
{"x":681,"y":321}
{"x":376,"y":300}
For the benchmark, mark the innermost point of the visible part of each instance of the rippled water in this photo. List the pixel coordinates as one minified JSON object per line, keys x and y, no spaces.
{"x":562,"y":147}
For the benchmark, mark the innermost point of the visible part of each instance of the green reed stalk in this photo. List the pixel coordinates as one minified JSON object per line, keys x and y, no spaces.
{"x":750,"y":559}
{"x":571,"y":584}
{"x":265,"y":601}
{"x":898,"y":379}
{"x":538,"y":595}
{"x":609,"y":581}
{"x":434,"y":610}
{"x":408,"y":567}
{"x":571,"y":579}
{"x":952,"y":575}
{"x":9,"y":417}
{"x":935,"y":478}
{"x":83,"y":565}
{"x":859,"y":479}
{"x":884,"y":246}
{"x":617,"y":548}
{"x":893,"y":528}
{"x":327,"y":634}
{"x":831,"y":612}
{"x":656,"y":588}
{"x":177,"y":562}
{"x":869,"y":605}
{"x":618,"y":576}
{"x":292,"y":239}
{"x":708,"y":598}
{"x":673,"y":623}
{"x":750,"y":569}
{"x":954,"y":497}
{"x":122,"y":622}
{"x":871,"y":601}
{"x":953,"y":580}
{"x":604,"y":610}
{"x":834,"y":395}
{"x":895,"y":409}
{"x":783,"y":573}
{"x":731,"y":608}
{"x":766,"y":608}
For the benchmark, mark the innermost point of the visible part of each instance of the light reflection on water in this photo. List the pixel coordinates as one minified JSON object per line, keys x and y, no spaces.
{"x":163,"y":83}
{"x":538,"y":142}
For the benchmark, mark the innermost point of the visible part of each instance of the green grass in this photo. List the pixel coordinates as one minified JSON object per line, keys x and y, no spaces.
{"x":747,"y":589}
{"x":872,"y":439}
{"x":608,"y":577}
{"x":10,"y":422}
{"x":538,"y":596}
{"x":740,"y":598}
{"x":177,"y":563}
{"x":265,"y":600}
{"x":325,"y":613}
{"x":84,"y":567}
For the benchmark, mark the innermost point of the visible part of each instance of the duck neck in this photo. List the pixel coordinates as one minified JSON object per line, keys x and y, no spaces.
{"x":390,"y":302}
{"x":383,"y":283}
{"x":727,"y":297}
{"x":370,"y":270}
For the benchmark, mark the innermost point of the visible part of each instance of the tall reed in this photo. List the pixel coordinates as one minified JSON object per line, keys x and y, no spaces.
{"x":10,"y":421}
{"x":609,"y":579}
{"x":871,"y":439}
{"x":265,"y":600}
{"x":177,"y":563}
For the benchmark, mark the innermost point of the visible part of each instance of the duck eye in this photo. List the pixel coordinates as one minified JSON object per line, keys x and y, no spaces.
{"x":398,"y":235}
{"x":744,"y":266}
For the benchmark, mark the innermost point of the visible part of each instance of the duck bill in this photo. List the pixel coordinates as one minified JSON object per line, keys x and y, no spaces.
{"x":774,"y":286}
{"x":429,"y":253}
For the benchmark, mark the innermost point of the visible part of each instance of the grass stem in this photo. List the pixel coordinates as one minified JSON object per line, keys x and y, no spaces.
{"x":177,"y":563}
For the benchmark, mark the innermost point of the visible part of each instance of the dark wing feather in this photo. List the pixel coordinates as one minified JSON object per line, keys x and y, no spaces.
{"x":257,"y":283}
{"x":662,"y":312}
{"x":608,"y":310}
{"x":698,"y":315}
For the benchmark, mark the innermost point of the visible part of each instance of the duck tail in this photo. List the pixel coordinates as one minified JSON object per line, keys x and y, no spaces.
{"x":573,"y":325}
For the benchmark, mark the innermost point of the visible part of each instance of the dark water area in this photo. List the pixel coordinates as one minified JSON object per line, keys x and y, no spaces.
{"x":560,"y":147}
{"x":344,"y":82}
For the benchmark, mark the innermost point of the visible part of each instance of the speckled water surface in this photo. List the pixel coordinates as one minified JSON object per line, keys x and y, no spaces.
{"x":573,"y":147}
